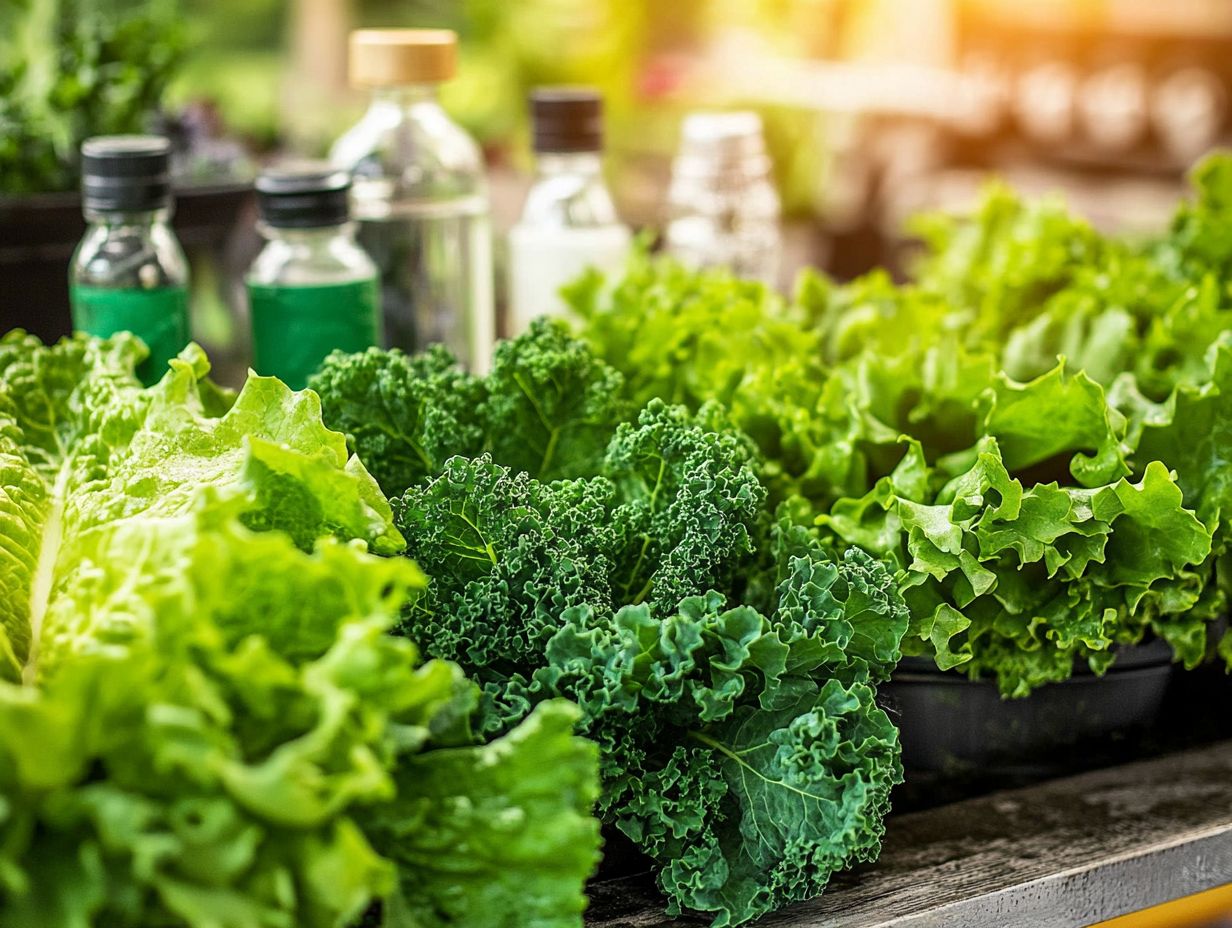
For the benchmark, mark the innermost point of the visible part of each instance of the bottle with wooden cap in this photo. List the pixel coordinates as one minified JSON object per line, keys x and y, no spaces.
{"x":420,"y":195}
{"x":569,"y":223}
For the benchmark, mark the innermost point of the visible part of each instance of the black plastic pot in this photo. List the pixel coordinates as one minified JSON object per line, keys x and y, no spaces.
{"x":953,"y":728}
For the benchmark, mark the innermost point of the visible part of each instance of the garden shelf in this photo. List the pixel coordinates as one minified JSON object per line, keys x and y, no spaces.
{"x":1064,"y":854}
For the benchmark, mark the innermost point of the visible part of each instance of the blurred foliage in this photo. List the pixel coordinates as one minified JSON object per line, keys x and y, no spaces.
{"x":77,"y":68}
{"x":91,"y":66}
{"x":238,"y":61}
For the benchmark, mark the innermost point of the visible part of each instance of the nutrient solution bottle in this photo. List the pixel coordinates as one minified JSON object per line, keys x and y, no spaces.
{"x":129,"y":272}
{"x":420,"y":196}
{"x":569,"y":222}
{"x":312,"y":289}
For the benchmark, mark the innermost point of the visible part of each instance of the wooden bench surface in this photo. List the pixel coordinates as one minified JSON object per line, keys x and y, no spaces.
{"x":1064,"y":854}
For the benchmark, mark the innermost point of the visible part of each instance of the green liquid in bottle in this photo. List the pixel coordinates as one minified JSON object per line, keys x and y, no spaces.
{"x":159,"y":317}
{"x":294,"y":328}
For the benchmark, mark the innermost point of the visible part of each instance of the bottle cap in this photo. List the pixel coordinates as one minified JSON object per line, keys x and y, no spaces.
{"x":126,"y":173}
{"x":731,"y":135}
{"x":303,"y":195}
{"x":567,"y":119}
{"x":394,"y":57}
{"x":721,"y":144}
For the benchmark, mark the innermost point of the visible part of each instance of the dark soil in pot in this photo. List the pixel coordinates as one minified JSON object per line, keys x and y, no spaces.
{"x":961,"y":732}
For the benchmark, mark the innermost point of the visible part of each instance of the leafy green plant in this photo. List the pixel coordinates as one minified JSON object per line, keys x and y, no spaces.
{"x":78,"y":68}
{"x":1027,"y":502}
{"x":203,"y":721}
{"x":724,"y":661}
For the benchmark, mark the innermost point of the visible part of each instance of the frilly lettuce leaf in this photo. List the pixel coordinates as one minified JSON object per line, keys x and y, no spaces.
{"x":1017,"y":581}
{"x":1192,"y":432}
{"x":235,"y":741}
{"x":88,"y":448}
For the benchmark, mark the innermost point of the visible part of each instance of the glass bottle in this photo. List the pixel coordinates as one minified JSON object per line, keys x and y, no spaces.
{"x":569,"y":222}
{"x":312,"y":289}
{"x":724,"y":209}
{"x":129,"y":272}
{"x":420,"y":195}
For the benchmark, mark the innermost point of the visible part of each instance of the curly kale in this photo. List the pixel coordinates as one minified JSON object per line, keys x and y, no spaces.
{"x":404,"y":415}
{"x":507,"y":555}
{"x":743,"y":752}
{"x":688,"y":497}
{"x":549,"y":406}
{"x":578,"y":550}
{"x":669,"y":516}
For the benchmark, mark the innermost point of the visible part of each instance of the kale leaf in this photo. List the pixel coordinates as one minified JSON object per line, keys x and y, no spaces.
{"x":578,"y":550}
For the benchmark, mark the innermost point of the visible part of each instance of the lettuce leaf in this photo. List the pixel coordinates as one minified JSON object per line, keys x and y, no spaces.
{"x":1030,"y":431}
{"x":1017,"y":582}
{"x":203,"y":720}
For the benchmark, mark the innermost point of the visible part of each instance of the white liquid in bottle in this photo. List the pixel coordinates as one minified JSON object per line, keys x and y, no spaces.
{"x":569,"y":223}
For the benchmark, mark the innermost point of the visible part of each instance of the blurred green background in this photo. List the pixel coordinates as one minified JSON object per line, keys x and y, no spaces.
{"x":872,"y":108}
{"x":274,"y":71}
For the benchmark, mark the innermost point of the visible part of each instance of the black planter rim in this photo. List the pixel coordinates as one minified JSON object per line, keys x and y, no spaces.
{"x":1147,"y":656}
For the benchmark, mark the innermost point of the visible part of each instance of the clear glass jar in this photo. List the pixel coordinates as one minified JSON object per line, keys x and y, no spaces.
{"x":420,"y":195}
{"x":129,"y":272}
{"x":724,"y":209}
{"x":312,"y":289}
{"x":569,"y":222}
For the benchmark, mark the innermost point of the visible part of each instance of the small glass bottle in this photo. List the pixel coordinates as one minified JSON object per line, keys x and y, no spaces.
{"x":312,"y":289}
{"x":569,"y":222}
{"x":420,"y":196}
{"x":129,"y":272}
{"x":724,"y":209}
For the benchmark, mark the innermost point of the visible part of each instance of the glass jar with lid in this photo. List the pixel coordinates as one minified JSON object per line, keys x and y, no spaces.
{"x":312,"y":289}
{"x":129,"y":272}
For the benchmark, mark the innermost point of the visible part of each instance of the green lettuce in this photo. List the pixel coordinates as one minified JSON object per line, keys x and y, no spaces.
{"x":203,"y":720}
{"x":1030,"y":431}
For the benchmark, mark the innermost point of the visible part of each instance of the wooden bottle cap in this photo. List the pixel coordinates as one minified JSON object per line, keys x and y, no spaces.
{"x":391,"y":57}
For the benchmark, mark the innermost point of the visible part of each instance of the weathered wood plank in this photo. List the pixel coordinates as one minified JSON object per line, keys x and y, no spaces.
{"x":1064,"y":854}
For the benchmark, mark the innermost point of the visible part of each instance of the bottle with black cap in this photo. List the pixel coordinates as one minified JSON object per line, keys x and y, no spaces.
{"x":569,"y":222}
{"x":129,"y":272}
{"x":312,"y":289}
